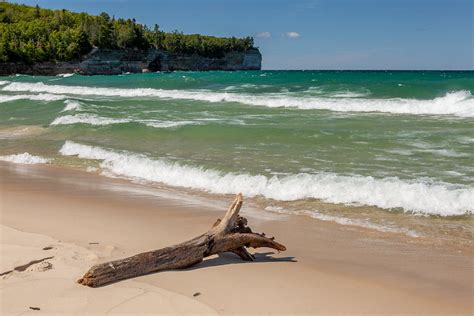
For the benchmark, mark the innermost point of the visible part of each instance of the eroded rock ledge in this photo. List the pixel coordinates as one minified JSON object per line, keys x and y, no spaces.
{"x":113,"y":62}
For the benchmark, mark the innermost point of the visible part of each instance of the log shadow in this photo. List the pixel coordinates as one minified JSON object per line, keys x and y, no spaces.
{"x":230,"y":258}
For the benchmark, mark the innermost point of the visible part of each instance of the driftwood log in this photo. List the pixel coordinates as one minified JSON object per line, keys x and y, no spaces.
{"x":231,"y":234}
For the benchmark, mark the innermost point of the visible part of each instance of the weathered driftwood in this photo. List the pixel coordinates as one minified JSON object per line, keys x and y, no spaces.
{"x":231,"y":234}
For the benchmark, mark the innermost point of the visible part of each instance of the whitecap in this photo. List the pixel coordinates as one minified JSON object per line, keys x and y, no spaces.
{"x":167,"y":124}
{"x":65,"y":75}
{"x":418,"y":196}
{"x":458,"y":103}
{"x":445,"y":153}
{"x":25,"y":158}
{"x":32,"y":97}
{"x":71,"y":105}
{"x":90,"y":119}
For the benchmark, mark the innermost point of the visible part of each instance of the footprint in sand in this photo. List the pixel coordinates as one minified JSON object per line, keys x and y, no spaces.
{"x":41,"y":267}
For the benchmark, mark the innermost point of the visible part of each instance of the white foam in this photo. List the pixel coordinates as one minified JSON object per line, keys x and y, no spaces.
{"x":71,"y":105}
{"x":446,"y":153}
{"x":428,"y":148}
{"x":343,"y":220}
{"x":348,"y":94}
{"x":25,"y":158}
{"x":65,"y":75}
{"x":3,"y":82}
{"x":92,"y":119}
{"x":412,"y":196}
{"x":459,"y":103}
{"x":32,"y":97}
{"x":167,"y":124}
{"x":231,"y":88}
{"x":465,"y":140}
{"x":246,"y":86}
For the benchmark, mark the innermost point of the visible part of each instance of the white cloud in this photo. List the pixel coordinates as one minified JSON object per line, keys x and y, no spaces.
{"x":263,"y":35}
{"x":292,"y":34}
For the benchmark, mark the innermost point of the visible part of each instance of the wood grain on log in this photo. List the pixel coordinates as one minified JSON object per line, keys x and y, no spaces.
{"x":231,"y":234}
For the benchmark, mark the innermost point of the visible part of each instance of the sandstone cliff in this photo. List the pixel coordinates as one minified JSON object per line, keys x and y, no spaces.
{"x":112,"y":62}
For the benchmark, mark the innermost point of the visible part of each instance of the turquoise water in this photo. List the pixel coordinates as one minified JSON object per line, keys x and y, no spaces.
{"x":393,"y":151}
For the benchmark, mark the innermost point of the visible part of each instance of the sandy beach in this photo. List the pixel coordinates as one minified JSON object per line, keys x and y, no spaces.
{"x":236,"y":158}
{"x":57,"y":223}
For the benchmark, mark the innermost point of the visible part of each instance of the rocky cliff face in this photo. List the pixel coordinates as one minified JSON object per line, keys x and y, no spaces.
{"x":112,"y":62}
{"x":248,"y":60}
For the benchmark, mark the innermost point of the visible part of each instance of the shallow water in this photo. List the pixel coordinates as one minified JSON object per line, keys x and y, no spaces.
{"x":391,"y":151}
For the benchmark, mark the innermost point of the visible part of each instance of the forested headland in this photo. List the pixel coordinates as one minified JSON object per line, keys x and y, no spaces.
{"x":33,"y":34}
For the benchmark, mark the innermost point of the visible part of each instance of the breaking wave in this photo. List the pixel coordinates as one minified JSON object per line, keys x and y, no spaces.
{"x":458,"y":103}
{"x":71,"y":105}
{"x":92,"y":119}
{"x":32,"y":97}
{"x":25,"y":158}
{"x":167,"y":124}
{"x":389,"y":193}
{"x":65,"y":75}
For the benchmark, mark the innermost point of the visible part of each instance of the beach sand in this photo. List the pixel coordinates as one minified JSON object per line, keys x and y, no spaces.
{"x":56,"y":223}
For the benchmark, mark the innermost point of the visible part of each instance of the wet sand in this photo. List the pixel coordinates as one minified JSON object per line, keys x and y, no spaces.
{"x":327,"y":268}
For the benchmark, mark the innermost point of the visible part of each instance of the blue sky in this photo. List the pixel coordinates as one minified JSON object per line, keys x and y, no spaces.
{"x":317,"y":34}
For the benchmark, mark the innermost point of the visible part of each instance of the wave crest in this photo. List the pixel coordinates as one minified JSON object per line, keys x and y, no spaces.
{"x":71,"y":105}
{"x":92,"y":119}
{"x":87,"y":119}
{"x":420,"y":197}
{"x":458,"y":103}
{"x":25,"y":158}
{"x":32,"y":97}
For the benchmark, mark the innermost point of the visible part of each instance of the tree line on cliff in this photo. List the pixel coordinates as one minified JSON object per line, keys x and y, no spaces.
{"x":33,"y":34}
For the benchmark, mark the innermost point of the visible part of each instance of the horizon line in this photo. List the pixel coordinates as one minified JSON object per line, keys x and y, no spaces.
{"x":315,"y":69}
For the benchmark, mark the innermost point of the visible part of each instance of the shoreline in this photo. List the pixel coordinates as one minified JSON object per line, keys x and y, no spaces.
{"x":381,"y":223}
{"x":327,"y":268}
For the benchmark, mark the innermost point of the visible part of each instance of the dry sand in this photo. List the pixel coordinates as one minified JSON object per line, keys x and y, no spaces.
{"x":56,"y":223}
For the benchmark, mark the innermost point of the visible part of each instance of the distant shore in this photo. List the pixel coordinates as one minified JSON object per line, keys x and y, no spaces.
{"x":40,"y":41}
{"x":119,"y":61}
{"x":328,"y":268}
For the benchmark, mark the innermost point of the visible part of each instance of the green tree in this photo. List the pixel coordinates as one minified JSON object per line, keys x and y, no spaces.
{"x":105,"y":36}
{"x":32,"y":34}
